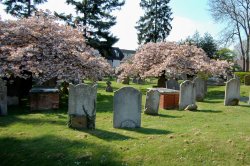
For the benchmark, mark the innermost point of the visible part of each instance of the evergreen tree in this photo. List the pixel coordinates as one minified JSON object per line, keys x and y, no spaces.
{"x":96,"y":17}
{"x":209,"y":45}
{"x":21,"y":8}
{"x":154,"y":25}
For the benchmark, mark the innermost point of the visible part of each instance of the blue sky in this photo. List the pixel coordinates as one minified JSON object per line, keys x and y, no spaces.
{"x":189,"y":16}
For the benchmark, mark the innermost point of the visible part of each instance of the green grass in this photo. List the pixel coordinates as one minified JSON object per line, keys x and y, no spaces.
{"x":214,"y":135}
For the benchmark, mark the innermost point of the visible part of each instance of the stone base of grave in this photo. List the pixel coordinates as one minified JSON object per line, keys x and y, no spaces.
{"x":169,"y":101}
{"x":77,"y":122}
{"x":44,"y":98}
{"x":233,"y":102}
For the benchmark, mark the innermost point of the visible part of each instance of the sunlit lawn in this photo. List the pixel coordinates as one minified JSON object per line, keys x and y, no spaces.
{"x":214,"y":135}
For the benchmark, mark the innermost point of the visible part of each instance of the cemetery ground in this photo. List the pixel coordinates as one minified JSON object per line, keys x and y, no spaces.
{"x":213,"y":135}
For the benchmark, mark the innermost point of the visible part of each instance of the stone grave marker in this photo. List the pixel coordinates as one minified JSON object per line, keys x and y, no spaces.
{"x":172,"y":84}
{"x":82,"y":106}
{"x":187,"y":95}
{"x":249,"y":99}
{"x":152,"y":102}
{"x":109,"y":88}
{"x":247,"y":80}
{"x":200,"y":88}
{"x":127,"y":108}
{"x":3,"y":98}
{"x":232,"y":93}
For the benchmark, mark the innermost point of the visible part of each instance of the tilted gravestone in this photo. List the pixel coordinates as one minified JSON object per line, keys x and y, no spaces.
{"x":3,"y":98}
{"x":187,"y":95}
{"x":82,"y":106}
{"x":247,"y":80}
{"x":152,"y":102}
{"x":127,"y":108}
{"x":232,"y":93}
{"x":172,"y":84}
{"x":200,"y":88}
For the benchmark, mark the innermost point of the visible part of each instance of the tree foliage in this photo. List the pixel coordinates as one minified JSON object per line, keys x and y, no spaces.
{"x":153,"y":59}
{"x":206,"y":42}
{"x":236,"y":13}
{"x":154,"y":25}
{"x":47,"y":49}
{"x":95,"y":16}
{"x":21,"y":8}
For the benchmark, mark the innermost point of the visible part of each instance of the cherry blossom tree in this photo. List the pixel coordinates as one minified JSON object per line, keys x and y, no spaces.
{"x":48,"y":49}
{"x":155,"y":59}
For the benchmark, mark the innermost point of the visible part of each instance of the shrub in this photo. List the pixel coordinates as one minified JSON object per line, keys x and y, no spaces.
{"x":241,"y":75}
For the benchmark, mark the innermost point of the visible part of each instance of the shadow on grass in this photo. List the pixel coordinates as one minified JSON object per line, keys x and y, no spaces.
{"x":8,"y":120}
{"x":52,"y":150}
{"x":165,"y":116}
{"x":104,"y":103}
{"x":107,"y":135}
{"x":148,"y":131}
{"x":208,"y":111}
{"x":211,"y":101}
{"x":215,"y":94}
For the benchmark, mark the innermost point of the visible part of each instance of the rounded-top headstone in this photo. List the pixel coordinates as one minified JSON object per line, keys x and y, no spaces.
{"x":127,"y":108}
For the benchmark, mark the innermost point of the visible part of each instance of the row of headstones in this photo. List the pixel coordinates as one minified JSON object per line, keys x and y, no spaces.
{"x":127,"y":105}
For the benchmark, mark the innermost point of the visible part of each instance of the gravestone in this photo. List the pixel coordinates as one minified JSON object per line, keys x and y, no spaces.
{"x":247,"y":80}
{"x":161,"y":83}
{"x":232,"y":93}
{"x":187,"y":95}
{"x":152,"y":102}
{"x":140,"y":81}
{"x":109,"y":88}
{"x":3,"y":98}
{"x":127,"y":108}
{"x":200,"y":88}
{"x":249,"y":99}
{"x":172,"y":84}
{"x":82,"y":106}
{"x":134,"y":80}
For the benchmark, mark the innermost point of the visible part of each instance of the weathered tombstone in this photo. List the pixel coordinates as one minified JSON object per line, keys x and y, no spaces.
{"x":152,"y":102}
{"x":172,"y":84}
{"x":249,"y":99}
{"x":200,"y":88}
{"x":232,"y":93}
{"x":161,"y":83}
{"x":82,"y":106}
{"x":247,"y":80}
{"x":134,"y":80}
{"x":3,"y":98}
{"x":140,"y":81}
{"x":127,"y":108}
{"x":109,"y":88}
{"x":187,"y":95}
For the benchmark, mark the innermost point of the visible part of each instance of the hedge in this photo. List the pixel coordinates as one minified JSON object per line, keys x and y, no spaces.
{"x":241,"y":75}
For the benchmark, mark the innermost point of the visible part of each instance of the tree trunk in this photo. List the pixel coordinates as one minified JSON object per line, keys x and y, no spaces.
{"x":244,"y":63}
{"x":247,"y":63}
{"x":162,"y":81}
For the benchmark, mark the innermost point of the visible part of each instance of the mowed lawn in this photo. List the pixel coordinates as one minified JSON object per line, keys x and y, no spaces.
{"x":213,"y":135}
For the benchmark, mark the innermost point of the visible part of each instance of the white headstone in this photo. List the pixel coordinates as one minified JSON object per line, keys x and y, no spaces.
{"x":152,"y":102}
{"x":3,"y":98}
{"x":200,"y":88}
{"x":232,"y":93}
{"x":187,"y":94}
{"x":127,"y":108}
{"x":82,"y":102}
